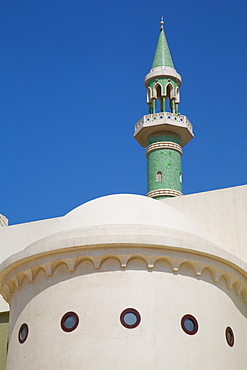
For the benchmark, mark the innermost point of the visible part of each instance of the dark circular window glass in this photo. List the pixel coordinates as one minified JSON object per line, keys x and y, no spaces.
{"x":69,"y":321}
{"x":23,"y":333}
{"x":229,"y":336}
{"x":130,"y":318}
{"x":189,"y":324}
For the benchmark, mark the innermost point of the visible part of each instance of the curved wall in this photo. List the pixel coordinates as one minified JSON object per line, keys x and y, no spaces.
{"x":100,"y":341}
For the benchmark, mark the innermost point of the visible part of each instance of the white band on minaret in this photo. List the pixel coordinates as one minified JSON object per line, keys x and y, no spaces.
{"x":164,"y":192}
{"x":164,"y":145}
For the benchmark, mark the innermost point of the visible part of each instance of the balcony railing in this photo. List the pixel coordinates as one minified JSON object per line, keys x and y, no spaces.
{"x":163,"y":117}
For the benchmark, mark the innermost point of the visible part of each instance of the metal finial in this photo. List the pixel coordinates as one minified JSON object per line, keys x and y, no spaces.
{"x":162,"y":23}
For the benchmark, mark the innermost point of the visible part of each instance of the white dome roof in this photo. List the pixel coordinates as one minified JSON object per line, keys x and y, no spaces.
{"x":122,"y":221}
{"x":128,"y":209}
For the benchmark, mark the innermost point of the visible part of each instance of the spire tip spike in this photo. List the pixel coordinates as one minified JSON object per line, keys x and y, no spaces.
{"x":162,"y":23}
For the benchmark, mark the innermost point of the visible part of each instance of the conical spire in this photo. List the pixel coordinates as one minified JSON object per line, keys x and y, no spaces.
{"x":162,"y":57}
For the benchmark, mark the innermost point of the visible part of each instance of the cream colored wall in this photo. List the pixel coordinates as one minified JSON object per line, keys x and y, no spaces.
{"x":17,"y":237}
{"x":101,"y":342}
{"x":221,"y":214}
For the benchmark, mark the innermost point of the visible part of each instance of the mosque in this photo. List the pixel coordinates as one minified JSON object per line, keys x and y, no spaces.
{"x":127,"y":282}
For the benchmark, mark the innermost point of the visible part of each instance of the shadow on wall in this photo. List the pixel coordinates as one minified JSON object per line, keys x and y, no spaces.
{"x":4,"y":323}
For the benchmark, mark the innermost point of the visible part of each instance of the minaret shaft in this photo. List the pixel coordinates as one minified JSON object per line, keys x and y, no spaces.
{"x":164,"y":171}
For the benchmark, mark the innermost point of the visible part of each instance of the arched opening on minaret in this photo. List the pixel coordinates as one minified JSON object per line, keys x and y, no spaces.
{"x":160,"y":98}
{"x":170,"y":106}
{"x":163,"y":100}
{"x":158,"y":176}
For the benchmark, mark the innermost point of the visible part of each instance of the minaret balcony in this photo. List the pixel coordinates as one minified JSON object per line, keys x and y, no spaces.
{"x":160,"y":122}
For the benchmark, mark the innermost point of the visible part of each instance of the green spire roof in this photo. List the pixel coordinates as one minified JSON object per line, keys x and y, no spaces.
{"x":162,"y":57}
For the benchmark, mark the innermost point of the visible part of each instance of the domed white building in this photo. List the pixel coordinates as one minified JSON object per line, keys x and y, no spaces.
{"x":127,"y":281}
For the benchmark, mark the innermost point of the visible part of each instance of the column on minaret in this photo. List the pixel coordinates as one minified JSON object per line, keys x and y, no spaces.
{"x":163,"y":131}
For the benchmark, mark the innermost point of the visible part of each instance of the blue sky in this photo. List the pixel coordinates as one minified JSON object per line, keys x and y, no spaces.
{"x":72,"y":89}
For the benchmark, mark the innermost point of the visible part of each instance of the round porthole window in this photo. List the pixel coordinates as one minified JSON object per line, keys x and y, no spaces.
{"x":229,"y":336}
{"x":23,"y":333}
{"x":130,"y":318}
{"x":189,"y":324}
{"x":69,"y":321}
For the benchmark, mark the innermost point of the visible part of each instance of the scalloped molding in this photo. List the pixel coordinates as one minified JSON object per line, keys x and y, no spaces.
{"x":232,"y":278}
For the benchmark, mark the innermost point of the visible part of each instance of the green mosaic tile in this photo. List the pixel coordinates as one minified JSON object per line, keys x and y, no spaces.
{"x":162,"y":55}
{"x":169,"y":167}
{"x":174,"y":138}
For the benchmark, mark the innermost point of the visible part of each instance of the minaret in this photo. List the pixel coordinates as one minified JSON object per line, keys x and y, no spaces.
{"x":164,"y":131}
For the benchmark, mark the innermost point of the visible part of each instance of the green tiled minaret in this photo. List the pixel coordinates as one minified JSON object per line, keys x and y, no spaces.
{"x":164,"y":131}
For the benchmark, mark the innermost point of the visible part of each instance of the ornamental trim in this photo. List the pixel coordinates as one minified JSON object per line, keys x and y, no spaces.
{"x":164,"y":192}
{"x":164,"y":145}
{"x":175,"y":260}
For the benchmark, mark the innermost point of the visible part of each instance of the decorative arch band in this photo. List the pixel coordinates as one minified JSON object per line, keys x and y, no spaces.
{"x":164,"y":192}
{"x":173,"y":260}
{"x":164,"y":145}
